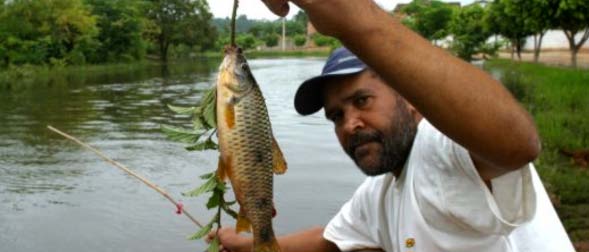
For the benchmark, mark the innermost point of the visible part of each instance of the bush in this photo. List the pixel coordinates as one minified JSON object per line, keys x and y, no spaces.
{"x":300,"y":40}
{"x":75,"y":57}
{"x":246,"y":41}
{"x":271,"y":40}
{"x":321,"y":40}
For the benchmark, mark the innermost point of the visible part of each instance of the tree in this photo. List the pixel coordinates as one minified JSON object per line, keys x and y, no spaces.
{"x":509,"y":18}
{"x":36,"y":32}
{"x":572,"y":16}
{"x":469,"y":30}
{"x":181,"y":22}
{"x":539,"y":16}
{"x":429,"y":18}
{"x":121,"y":25}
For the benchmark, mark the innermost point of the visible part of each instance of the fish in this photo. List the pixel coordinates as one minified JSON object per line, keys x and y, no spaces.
{"x":249,"y":153}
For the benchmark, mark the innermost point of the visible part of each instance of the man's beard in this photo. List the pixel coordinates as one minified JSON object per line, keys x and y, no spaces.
{"x":395,"y":146}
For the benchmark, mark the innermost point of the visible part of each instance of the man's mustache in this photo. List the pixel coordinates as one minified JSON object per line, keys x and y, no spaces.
{"x":362,"y":137}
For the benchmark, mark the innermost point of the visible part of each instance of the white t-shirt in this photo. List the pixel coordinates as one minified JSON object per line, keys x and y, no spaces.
{"x":439,"y":203}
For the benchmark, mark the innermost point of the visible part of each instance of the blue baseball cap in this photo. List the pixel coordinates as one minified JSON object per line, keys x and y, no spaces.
{"x":341,"y":62}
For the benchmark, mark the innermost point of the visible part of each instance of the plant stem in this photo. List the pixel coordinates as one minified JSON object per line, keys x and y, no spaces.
{"x":235,"y":4}
{"x":127,"y":170}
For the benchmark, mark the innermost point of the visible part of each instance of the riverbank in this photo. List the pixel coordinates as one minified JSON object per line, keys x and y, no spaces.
{"x":34,"y":75}
{"x":311,"y":52}
{"x":558,"y":100}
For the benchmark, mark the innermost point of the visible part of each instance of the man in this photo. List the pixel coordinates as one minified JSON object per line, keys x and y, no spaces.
{"x":446,"y":148}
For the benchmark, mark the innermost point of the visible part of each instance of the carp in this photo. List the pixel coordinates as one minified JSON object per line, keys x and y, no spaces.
{"x":249,"y":152}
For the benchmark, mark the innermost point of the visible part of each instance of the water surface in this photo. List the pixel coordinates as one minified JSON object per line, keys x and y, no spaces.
{"x":55,"y":196}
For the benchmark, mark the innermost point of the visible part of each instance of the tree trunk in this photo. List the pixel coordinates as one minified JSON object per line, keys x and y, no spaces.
{"x":574,"y":52}
{"x":512,"y":49}
{"x":163,"y":48}
{"x":574,"y":47}
{"x":518,"y":47}
{"x":538,"y":45}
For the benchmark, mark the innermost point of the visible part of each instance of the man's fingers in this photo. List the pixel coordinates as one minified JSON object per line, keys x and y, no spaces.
{"x":210,"y":236}
{"x":279,"y":7}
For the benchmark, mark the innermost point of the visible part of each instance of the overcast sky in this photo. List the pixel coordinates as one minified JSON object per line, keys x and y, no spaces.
{"x":255,"y":9}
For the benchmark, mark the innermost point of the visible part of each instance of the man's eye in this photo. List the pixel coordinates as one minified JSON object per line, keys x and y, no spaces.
{"x":335,"y":117}
{"x":361,"y":101}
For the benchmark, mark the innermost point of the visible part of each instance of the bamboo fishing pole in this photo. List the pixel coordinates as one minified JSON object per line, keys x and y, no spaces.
{"x":130,"y":172}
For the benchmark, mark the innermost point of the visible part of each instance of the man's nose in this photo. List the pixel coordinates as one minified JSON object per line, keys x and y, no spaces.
{"x":353,"y":122}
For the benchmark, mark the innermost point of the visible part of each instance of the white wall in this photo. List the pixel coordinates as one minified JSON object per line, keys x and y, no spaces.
{"x":554,"y":39}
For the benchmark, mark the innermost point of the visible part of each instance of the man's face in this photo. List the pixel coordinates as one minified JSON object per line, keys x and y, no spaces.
{"x":374,"y":125}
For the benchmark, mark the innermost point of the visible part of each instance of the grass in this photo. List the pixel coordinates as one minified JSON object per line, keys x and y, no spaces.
{"x":558,"y":99}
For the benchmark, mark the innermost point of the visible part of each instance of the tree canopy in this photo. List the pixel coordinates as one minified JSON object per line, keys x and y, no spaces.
{"x":431,"y":19}
{"x":62,"y":32}
{"x":181,"y":22}
{"x":469,"y":30}
{"x":572,"y":16}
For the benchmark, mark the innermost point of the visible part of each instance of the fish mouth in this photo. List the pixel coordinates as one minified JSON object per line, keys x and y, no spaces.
{"x":232,"y":49}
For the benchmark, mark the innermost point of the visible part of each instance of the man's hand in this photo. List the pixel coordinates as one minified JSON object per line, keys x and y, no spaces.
{"x":230,"y":241}
{"x":279,"y":7}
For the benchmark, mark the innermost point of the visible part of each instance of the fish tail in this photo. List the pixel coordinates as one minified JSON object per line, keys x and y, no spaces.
{"x":271,"y":246}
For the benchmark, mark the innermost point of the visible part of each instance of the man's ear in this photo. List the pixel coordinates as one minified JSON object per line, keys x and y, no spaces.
{"x":413,"y":111}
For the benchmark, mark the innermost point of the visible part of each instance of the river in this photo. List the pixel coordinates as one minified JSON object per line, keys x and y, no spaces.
{"x":56,"y":196}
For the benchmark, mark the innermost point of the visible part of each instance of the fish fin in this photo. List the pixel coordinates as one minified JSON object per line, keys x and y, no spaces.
{"x":278,"y":162}
{"x":221,"y":171}
{"x":243,"y":223}
{"x":230,"y":116}
{"x":271,"y":246}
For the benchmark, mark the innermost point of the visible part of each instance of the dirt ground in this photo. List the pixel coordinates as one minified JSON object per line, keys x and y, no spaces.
{"x":554,"y":57}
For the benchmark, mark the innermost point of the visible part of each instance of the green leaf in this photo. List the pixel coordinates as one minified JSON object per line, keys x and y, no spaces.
{"x":214,"y":200}
{"x":210,"y":115}
{"x":208,"y":105}
{"x":199,"y":123}
{"x":214,"y":245}
{"x":202,"y":232}
{"x":180,"y":134}
{"x":206,"y":187}
{"x":207,"y":175}
{"x":204,"y":145}
{"x":209,"y":96}
{"x":221,"y":186}
{"x":182,"y":110}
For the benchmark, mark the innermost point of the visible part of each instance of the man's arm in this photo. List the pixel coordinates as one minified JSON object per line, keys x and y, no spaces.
{"x":310,"y":240}
{"x":462,"y":101}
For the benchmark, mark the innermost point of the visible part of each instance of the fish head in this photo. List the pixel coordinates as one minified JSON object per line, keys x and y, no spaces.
{"x":234,"y":72}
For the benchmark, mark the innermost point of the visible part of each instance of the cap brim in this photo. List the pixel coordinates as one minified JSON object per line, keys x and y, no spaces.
{"x":309,"y":97}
